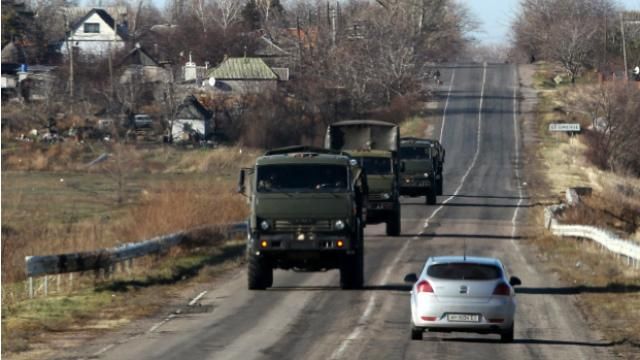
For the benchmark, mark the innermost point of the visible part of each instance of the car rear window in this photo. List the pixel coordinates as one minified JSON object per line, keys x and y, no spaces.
{"x":464,"y":271}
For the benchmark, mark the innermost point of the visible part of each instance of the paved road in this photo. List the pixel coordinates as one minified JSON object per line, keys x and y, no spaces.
{"x":306,"y":316}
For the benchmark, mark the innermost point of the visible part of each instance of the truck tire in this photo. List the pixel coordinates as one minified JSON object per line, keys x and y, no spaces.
{"x":439,"y":183}
{"x":394,"y":223}
{"x":506,"y":336}
{"x":260,"y":273}
{"x":416,"y":333}
{"x":430,"y":196}
{"x":352,"y":271}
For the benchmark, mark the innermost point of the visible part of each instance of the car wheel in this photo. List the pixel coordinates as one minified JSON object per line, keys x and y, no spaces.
{"x":260,"y":273}
{"x":506,"y":336}
{"x":416,"y":333}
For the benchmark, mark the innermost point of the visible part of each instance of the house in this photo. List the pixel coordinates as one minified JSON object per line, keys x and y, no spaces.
{"x":245,"y":74}
{"x":193,"y":122}
{"x":96,"y":33}
{"x":139,"y":64}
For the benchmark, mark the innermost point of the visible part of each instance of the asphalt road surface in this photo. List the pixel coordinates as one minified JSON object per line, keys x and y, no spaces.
{"x":306,"y":316}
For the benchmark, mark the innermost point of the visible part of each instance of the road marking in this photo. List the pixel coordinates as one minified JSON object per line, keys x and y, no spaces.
{"x":446,"y":104}
{"x":516,"y":132}
{"x":364,"y":318}
{"x":475,"y":156}
{"x":102,"y":351}
{"x":195,"y":299}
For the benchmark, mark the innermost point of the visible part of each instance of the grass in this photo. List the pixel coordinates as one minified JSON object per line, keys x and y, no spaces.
{"x":610,"y":300}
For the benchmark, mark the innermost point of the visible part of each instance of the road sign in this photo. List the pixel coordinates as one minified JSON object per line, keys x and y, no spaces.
{"x":564,"y":127}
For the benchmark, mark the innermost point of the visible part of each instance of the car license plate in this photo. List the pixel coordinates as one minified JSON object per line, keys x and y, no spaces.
{"x":463,"y":317}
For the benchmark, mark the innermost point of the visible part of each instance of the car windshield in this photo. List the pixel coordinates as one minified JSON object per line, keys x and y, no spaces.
{"x":376,"y":165}
{"x":464,"y":271}
{"x":414,"y":152}
{"x":307,"y":178}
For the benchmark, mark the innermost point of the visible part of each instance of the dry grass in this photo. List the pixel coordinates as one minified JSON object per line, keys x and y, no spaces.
{"x":606,"y":288}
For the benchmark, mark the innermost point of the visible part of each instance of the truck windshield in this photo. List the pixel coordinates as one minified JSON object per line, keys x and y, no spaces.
{"x":376,"y":165}
{"x":414,"y":152}
{"x":302,"y":178}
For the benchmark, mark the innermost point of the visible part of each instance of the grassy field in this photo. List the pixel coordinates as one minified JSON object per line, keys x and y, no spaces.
{"x":606,"y":289}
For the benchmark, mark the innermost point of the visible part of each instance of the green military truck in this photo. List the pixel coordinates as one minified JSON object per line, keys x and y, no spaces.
{"x":418,"y":175}
{"x":375,"y":145}
{"x":306,"y":214}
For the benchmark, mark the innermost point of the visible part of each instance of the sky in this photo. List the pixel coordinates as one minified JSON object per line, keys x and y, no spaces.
{"x":495,"y":17}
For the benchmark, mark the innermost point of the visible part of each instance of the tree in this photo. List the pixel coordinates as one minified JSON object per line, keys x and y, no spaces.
{"x":251,"y":15}
{"x":228,"y":13}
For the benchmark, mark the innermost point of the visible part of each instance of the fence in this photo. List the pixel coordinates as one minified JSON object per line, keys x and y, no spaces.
{"x":104,"y":260}
{"x":626,"y":250}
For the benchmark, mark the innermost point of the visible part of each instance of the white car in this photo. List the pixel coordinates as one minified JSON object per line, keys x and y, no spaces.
{"x":461,"y":293}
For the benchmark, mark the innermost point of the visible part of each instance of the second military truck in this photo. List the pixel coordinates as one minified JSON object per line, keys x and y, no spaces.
{"x":422,"y":165}
{"x":306,"y":214}
{"x":375,"y":146}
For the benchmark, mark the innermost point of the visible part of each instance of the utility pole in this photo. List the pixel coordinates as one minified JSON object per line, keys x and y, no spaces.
{"x":624,"y":47}
{"x":70,"y":51}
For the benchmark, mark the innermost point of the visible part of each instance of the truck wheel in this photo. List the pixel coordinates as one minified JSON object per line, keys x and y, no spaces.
{"x":439,"y":183}
{"x":394,"y":223}
{"x":352,"y":271}
{"x":431,"y":196}
{"x":506,"y":336}
{"x":260,"y":273}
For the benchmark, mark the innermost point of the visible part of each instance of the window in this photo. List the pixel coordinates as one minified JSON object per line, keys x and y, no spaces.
{"x":302,"y":178}
{"x":414,"y":152}
{"x":92,"y":28}
{"x":376,"y":166}
{"x":464,"y":271}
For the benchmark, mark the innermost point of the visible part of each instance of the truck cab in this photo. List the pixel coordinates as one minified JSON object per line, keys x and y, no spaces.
{"x":307,"y":214}
{"x":374,"y":144}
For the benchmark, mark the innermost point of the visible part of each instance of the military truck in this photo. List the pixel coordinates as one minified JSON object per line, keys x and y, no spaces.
{"x":307,"y":214}
{"x":375,"y":145}
{"x":419,"y":167}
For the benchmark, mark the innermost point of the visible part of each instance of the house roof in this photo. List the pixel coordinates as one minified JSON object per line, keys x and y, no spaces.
{"x":192,"y":102}
{"x":244,"y":68}
{"x":267,"y":48}
{"x":138,"y":56}
{"x":105,"y":17}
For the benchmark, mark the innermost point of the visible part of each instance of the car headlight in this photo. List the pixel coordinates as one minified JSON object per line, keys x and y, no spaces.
{"x":339,"y":225}
{"x":426,"y":174}
{"x":386,"y":196}
{"x":264,"y":225}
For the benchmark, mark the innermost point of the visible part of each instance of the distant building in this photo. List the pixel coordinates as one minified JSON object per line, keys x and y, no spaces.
{"x":96,"y":33}
{"x":193,"y":122}
{"x":139,"y":64}
{"x":244,"y":74}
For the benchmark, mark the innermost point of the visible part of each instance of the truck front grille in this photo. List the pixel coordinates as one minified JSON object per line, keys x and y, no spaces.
{"x":376,"y":197}
{"x":318,"y":225}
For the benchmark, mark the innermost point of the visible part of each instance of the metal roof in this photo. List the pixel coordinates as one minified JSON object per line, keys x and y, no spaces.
{"x":244,"y":68}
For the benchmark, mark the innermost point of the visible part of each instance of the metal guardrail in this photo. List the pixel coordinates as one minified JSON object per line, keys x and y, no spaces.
{"x":104,"y":258}
{"x":608,"y":240}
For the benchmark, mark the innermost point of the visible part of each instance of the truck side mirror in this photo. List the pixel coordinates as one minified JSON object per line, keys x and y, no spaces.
{"x":411,"y":278}
{"x":241,"y":188}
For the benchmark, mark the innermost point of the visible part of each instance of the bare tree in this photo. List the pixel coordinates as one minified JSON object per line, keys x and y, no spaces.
{"x":227,"y":13}
{"x":572,"y":45}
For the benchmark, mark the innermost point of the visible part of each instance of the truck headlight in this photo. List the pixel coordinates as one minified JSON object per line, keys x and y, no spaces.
{"x":426,"y":175}
{"x":264,"y":225}
{"x":386,"y":196}
{"x":339,"y":225}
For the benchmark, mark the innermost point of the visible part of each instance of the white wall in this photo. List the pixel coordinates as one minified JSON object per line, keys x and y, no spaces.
{"x":94,"y":43}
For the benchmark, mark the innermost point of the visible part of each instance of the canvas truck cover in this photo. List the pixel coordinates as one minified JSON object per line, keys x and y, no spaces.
{"x":362,"y":135}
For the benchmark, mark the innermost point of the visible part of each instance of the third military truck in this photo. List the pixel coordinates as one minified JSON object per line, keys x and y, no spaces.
{"x":422,"y":164}
{"x":374,"y":144}
{"x":306,"y":214}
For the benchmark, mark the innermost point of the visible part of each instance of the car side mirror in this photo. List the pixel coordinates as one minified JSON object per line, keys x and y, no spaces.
{"x":241,"y":188}
{"x":515,"y":281}
{"x":411,"y":278}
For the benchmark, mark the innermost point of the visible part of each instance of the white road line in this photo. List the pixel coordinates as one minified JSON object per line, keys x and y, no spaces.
{"x":102,"y":351}
{"x":195,"y":299}
{"x":166,"y":320}
{"x":446,"y":104}
{"x":364,"y":318}
{"x":516,"y":133}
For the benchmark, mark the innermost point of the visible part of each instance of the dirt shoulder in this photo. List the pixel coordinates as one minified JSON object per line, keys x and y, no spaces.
{"x":604,"y":288}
